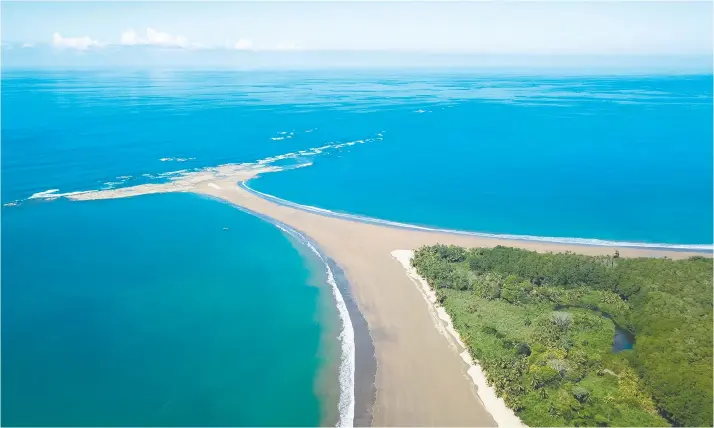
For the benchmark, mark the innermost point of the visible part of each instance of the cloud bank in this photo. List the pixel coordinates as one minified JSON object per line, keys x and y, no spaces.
{"x":80,"y":43}
{"x":153,"y":38}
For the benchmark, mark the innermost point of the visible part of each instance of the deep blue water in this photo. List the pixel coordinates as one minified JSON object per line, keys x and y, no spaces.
{"x":615,"y":158}
{"x":151,"y":295}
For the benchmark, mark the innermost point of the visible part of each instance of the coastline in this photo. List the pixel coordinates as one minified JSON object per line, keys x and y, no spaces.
{"x":394,"y":403}
{"x":588,"y":242}
{"x":357,"y":368}
{"x":494,"y":404}
{"x":421,"y":379}
{"x":365,"y":361}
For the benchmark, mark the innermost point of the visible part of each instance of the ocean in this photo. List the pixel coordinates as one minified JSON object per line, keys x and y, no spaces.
{"x":180,"y":310}
{"x":146,"y":312}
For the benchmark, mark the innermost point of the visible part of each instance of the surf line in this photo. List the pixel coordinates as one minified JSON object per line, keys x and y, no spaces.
{"x":346,"y":404}
{"x":523,"y":238}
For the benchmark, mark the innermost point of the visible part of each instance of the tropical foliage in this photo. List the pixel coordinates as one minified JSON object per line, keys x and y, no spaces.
{"x":542,"y":326}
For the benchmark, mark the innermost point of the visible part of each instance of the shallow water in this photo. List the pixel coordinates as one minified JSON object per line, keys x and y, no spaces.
{"x":145,"y":312}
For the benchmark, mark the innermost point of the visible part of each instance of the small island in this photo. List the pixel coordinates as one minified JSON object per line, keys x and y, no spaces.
{"x":575,"y":340}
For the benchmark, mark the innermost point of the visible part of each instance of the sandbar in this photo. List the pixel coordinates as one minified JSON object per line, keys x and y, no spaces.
{"x":421,"y":379}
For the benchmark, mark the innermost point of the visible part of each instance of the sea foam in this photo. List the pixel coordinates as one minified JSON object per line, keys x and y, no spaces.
{"x":185,"y":179}
{"x":347,"y":336}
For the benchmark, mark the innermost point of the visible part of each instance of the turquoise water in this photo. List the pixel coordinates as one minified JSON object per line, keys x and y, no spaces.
{"x":625,"y":158}
{"x":621,"y":159}
{"x":146,"y":312}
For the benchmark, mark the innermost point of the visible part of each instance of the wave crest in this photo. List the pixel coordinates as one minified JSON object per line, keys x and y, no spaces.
{"x":347,"y":337}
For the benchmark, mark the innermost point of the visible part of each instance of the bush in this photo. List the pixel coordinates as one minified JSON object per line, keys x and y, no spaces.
{"x":488,"y":286}
{"x":523,"y":349}
{"x":562,"y":320}
{"x":544,"y":375}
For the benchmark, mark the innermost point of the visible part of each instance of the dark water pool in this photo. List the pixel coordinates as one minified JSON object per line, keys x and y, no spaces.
{"x":623,"y":340}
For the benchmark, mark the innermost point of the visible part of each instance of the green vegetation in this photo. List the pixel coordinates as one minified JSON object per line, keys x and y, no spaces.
{"x":542,"y":328}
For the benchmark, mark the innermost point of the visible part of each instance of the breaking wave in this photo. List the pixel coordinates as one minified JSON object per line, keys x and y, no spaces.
{"x":184,"y":179}
{"x":347,"y":336}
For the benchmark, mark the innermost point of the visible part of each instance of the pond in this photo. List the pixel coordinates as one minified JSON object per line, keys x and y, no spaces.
{"x":623,"y":339}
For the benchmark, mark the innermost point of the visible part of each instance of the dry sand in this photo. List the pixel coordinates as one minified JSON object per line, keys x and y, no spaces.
{"x":496,"y":406}
{"x":422,"y":377}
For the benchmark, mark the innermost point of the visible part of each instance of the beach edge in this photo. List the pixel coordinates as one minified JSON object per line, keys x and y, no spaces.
{"x":494,"y":405}
{"x":365,"y":362}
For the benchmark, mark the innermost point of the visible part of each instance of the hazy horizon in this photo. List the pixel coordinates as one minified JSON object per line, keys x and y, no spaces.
{"x":632,"y":36}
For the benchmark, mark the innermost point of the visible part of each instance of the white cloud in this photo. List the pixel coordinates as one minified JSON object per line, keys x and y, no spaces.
{"x":155,"y":38}
{"x":80,"y":43}
{"x":129,"y":37}
{"x":243,"y":45}
{"x":28,"y":45}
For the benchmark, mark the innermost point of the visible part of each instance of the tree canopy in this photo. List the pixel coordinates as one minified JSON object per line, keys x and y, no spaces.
{"x":542,"y":326}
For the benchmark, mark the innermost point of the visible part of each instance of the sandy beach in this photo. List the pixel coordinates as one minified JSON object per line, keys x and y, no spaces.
{"x":424,"y":377}
{"x":421,"y":378}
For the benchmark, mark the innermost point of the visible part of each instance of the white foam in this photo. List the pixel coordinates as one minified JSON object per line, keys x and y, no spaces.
{"x":549,"y":239}
{"x":176,"y":159}
{"x":170,"y":173}
{"x":494,"y":404}
{"x":346,"y":403}
{"x":185,"y":180}
{"x":277,"y":138}
{"x":52,"y":193}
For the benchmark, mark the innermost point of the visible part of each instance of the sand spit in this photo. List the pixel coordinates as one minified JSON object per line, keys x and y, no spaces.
{"x":187,"y":180}
{"x":424,"y":376}
{"x":421,"y":379}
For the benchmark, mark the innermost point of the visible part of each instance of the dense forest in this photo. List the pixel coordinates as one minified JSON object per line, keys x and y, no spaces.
{"x":542,"y":326}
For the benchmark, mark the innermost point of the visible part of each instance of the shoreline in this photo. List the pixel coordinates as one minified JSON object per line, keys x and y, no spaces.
{"x":501,"y":413}
{"x":357,"y":396}
{"x":587,"y":242}
{"x":365,"y":361}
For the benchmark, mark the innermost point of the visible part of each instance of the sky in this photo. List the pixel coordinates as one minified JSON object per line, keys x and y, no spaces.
{"x":127,"y":31}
